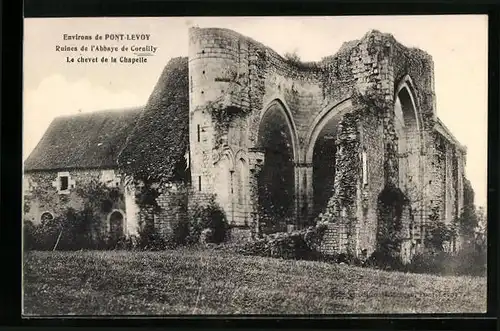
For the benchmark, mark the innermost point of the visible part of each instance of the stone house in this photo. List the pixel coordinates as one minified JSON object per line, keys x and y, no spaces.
{"x":352,"y":140}
{"x":75,"y":152}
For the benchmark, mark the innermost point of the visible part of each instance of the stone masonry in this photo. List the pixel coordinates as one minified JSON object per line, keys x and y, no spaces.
{"x":352,"y":141}
{"x":373,"y":103}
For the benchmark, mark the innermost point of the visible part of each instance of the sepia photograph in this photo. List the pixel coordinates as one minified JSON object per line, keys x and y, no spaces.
{"x":255,"y":165}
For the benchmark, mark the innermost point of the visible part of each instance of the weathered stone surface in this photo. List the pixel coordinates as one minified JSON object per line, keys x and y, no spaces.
{"x":372,"y":105}
{"x":375,"y":96}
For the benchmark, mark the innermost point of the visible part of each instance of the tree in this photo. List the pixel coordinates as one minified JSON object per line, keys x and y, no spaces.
{"x":468,"y":220}
{"x":292,"y":56}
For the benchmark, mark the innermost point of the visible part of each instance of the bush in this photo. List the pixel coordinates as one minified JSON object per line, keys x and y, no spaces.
{"x":201,"y":217}
{"x":384,"y":259}
{"x":438,"y":233}
{"x":149,"y":238}
{"x":42,"y":236}
{"x":466,"y":262}
{"x":73,"y":230}
{"x":301,"y":244}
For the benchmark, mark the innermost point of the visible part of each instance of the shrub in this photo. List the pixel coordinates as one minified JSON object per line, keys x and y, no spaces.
{"x":201,"y":217}
{"x":73,"y":230}
{"x":466,"y":262}
{"x":438,"y":233}
{"x":180,"y":233}
{"x":381,"y":259}
{"x":42,"y":236}
{"x":149,"y":238}
{"x":301,"y":244}
{"x":29,"y":236}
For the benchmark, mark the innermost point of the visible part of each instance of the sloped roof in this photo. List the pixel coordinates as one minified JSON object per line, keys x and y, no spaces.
{"x":88,"y":140}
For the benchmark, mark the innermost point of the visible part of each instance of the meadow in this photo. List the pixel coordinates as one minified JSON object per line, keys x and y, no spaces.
{"x":191,"y":281}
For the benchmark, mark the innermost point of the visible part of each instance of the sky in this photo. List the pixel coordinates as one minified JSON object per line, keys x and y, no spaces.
{"x":54,"y":87}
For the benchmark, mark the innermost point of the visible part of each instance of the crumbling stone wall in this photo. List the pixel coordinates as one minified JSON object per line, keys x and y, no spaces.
{"x":375,"y":96}
{"x":235,"y":80}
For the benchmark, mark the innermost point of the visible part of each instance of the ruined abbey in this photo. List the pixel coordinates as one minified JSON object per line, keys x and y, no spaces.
{"x":352,"y":140}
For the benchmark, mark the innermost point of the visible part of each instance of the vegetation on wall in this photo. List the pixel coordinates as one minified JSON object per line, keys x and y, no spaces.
{"x":300,"y":244}
{"x":155,"y":152}
{"x":77,"y":229}
{"x":293,"y":59}
{"x":468,"y":220}
{"x":392,"y":203}
{"x":222,"y":117}
{"x":207,"y":220}
{"x":156,"y":148}
{"x":347,"y":161}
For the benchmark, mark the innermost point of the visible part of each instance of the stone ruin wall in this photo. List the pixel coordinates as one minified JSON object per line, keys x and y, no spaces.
{"x":234,"y":79}
{"x":237,"y":75}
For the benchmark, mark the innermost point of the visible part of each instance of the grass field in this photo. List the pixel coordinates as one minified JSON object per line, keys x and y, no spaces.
{"x":215,"y":282}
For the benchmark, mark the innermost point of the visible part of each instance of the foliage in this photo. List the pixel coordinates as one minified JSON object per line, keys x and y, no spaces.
{"x":391,"y":204}
{"x":77,"y":229}
{"x":149,"y":238}
{"x":438,"y":233}
{"x":73,"y":230}
{"x":292,"y":56}
{"x":468,"y":220}
{"x":206,"y":216}
{"x":222,"y":116}
{"x":146,"y":193}
{"x":347,"y":159}
{"x":467,"y":262}
{"x":293,"y":59}
{"x":382,"y":259}
{"x":302,"y":244}
{"x":156,"y":148}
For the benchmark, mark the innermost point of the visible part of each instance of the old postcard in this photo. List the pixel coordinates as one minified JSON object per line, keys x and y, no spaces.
{"x":255,"y":165}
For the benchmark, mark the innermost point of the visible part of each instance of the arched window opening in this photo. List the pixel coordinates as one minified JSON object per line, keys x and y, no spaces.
{"x":241,"y":184}
{"x":408,"y":141}
{"x":46,"y":217}
{"x":276,"y":181}
{"x":223,"y":185}
{"x":116,"y":225}
{"x":324,"y":164}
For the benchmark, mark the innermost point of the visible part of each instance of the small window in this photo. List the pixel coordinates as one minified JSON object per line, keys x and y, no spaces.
{"x":64,"y":183}
{"x":199,"y":183}
{"x":198,"y":130}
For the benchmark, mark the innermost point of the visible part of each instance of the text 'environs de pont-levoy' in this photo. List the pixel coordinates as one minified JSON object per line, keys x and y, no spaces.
{"x":109,"y":36}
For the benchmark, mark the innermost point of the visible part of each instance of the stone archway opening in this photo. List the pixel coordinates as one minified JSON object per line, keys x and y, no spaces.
{"x":407,"y":127}
{"x":407,"y":130}
{"x":241,"y":208}
{"x":223,"y":186}
{"x":116,"y":226}
{"x":323,"y":159}
{"x":393,"y":215}
{"x":276,"y":180}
